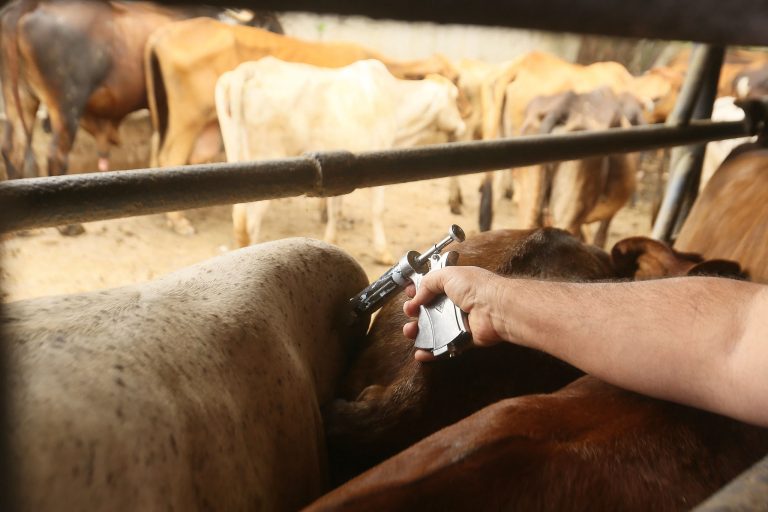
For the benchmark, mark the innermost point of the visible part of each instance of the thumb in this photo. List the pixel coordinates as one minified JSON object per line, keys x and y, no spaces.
{"x":432,"y":285}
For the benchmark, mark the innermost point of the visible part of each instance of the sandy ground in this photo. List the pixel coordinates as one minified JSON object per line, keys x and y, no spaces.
{"x":135,"y":249}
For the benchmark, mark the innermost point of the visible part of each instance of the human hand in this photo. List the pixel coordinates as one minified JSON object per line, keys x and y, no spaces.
{"x":476,"y":291}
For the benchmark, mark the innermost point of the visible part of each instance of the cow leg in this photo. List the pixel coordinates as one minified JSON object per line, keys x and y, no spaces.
{"x":208,"y":144}
{"x":455,"y":201}
{"x":63,"y":138}
{"x":176,"y":147}
{"x":333,"y":206}
{"x":246,"y":222}
{"x":383,"y":255}
{"x":17,"y":141}
{"x":254,"y":215}
{"x":179,"y":223}
{"x":601,"y":235}
{"x":486,"y":202}
{"x":507,"y":184}
{"x":240,"y":225}
{"x":576,"y":189}
{"x":530,"y":184}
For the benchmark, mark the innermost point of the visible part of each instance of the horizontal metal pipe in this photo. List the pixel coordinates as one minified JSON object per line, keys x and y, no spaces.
{"x":740,"y":22}
{"x":44,"y":202}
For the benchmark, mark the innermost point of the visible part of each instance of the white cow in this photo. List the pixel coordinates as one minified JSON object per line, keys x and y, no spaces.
{"x":724,"y":109}
{"x":200,"y":390}
{"x":270,"y":109}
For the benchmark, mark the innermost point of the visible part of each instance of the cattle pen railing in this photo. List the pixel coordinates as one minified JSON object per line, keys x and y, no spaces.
{"x":53,"y":201}
{"x":36,"y":202}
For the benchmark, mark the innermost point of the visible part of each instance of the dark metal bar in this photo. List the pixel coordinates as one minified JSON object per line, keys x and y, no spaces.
{"x":703,"y":110}
{"x":699,"y":88}
{"x":698,"y":65}
{"x":41,"y":202}
{"x":748,"y":492}
{"x":740,"y":22}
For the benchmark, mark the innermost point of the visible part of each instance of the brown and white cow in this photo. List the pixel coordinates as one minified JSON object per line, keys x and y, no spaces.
{"x":82,"y":59}
{"x":200,"y":390}
{"x":181,"y":80}
{"x":587,"y":446}
{"x":275,"y":109}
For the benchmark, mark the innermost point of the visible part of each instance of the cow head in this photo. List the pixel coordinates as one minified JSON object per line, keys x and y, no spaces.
{"x":641,"y":258}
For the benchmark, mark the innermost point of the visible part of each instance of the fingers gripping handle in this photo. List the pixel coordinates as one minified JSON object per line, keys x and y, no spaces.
{"x":399,"y":276}
{"x":443,"y":326}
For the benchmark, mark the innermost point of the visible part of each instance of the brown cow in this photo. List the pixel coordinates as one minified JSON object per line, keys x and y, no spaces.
{"x":578,"y":192}
{"x":389,"y":401}
{"x":83,"y":59}
{"x":181,"y":81}
{"x":587,"y":446}
{"x":506,"y":94}
{"x":736,"y":62}
{"x":730,"y":217}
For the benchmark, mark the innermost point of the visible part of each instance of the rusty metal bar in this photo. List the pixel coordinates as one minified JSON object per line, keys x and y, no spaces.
{"x":748,"y":492}
{"x":42,"y":202}
{"x":740,"y":22}
{"x":685,"y":163}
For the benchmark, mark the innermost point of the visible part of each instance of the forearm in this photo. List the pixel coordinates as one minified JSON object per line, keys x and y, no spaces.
{"x":690,"y":340}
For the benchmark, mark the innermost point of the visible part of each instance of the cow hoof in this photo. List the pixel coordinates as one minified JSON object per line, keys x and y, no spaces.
{"x":183,"y":228}
{"x":456,"y":209}
{"x":385,"y":258}
{"x":71,"y":229}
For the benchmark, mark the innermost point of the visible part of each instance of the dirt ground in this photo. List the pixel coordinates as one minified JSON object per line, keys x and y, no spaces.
{"x":136,"y":249}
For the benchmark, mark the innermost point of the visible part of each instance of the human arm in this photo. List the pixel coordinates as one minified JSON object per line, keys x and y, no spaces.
{"x":695,"y":340}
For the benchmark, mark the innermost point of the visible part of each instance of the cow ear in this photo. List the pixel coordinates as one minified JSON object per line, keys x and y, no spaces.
{"x":644,"y":258}
{"x":719,"y":268}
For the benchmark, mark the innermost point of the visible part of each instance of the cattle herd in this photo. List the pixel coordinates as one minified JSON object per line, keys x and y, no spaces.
{"x":241,"y":383}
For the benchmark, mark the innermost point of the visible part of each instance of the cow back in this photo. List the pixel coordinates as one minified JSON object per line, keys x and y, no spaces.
{"x":729,"y":219}
{"x":200,"y":390}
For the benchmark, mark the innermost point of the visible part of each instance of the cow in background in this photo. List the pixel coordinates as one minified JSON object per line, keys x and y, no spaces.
{"x":724,"y":109}
{"x":83,"y":59}
{"x":730,"y":217}
{"x":569,"y":194}
{"x":472,"y":75}
{"x":587,"y":446}
{"x":506,"y":91}
{"x":182,"y":80}
{"x":199,"y":390}
{"x":752,"y":83}
{"x":276,"y":109}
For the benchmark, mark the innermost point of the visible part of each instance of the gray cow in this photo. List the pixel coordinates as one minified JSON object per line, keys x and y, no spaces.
{"x":197,"y":391}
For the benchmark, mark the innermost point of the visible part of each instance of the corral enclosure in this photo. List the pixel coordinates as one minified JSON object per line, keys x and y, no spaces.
{"x":117,"y":252}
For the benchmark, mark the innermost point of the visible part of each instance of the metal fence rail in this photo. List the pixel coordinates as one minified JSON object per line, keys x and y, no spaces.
{"x":740,"y":22}
{"x":41,"y":202}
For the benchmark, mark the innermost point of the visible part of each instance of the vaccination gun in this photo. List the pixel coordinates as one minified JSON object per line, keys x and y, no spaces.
{"x":443,"y":327}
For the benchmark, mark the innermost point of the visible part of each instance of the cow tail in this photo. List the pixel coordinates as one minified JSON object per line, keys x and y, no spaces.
{"x":486,"y":202}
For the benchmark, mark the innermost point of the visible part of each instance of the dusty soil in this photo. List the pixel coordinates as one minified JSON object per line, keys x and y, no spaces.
{"x":130,"y":250}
